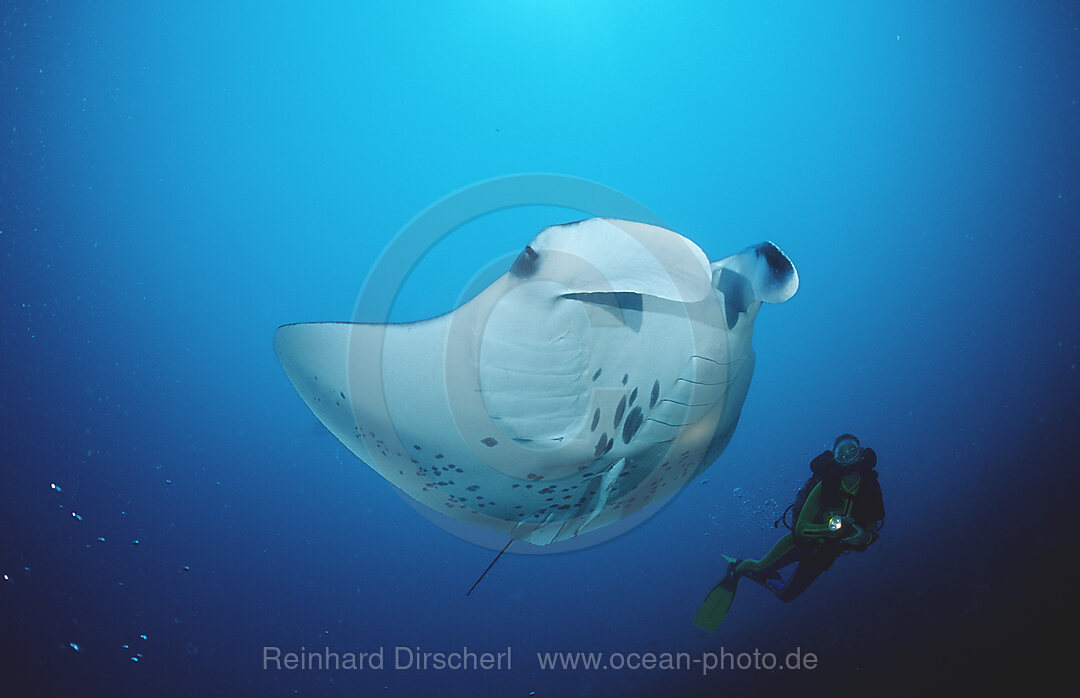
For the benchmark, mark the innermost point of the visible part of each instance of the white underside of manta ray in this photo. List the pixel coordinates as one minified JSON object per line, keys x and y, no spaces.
{"x":605,"y":370}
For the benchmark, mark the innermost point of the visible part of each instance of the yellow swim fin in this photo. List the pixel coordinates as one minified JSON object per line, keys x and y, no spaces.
{"x":717,"y":603}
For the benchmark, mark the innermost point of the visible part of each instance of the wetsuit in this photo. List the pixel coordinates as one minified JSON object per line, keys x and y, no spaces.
{"x":852,"y":493}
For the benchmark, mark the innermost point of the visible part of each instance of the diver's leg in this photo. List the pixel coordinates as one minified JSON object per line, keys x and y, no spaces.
{"x":807,"y":571}
{"x":781,"y":555}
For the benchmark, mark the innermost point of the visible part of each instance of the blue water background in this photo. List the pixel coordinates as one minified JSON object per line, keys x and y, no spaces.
{"x":178,"y":179}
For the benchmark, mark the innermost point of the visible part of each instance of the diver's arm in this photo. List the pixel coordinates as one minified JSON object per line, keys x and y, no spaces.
{"x":805,"y":528}
{"x":859,"y":540}
{"x":872,"y":529}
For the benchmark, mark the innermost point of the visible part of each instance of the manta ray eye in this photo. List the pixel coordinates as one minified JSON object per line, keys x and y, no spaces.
{"x":526,"y":263}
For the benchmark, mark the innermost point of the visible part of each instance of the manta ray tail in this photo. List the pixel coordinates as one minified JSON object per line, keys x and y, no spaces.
{"x":489,"y":567}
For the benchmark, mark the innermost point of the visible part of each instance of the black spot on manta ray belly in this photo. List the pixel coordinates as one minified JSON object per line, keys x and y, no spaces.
{"x":595,"y":419}
{"x":633,"y":423}
{"x":655,"y":394}
{"x":601,"y":445}
{"x":597,"y":374}
{"x":619,"y":411}
{"x":489,"y":441}
{"x":633,"y":396}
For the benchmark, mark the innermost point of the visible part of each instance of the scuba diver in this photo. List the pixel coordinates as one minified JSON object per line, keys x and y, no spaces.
{"x":840,"y":508}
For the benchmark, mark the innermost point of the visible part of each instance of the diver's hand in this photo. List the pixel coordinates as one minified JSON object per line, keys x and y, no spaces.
{"x":847,"y":525}
{"x":858,"y":540}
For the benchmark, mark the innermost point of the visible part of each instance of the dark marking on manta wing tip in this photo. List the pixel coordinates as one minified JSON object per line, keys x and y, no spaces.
{"x":655,"y":394}
{"x":526,"y":263}
{"x":633,"y":423}
{"x":595,"y":419}
{"x":779,"y":265}
{"x":489,"y":441}
{"x":619,"y":411}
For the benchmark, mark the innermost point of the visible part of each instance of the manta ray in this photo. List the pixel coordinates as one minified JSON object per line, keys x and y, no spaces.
{"x":602,"y":372}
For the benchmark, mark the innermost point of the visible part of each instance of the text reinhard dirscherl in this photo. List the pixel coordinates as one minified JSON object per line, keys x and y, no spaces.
{"x":376,"y":660}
